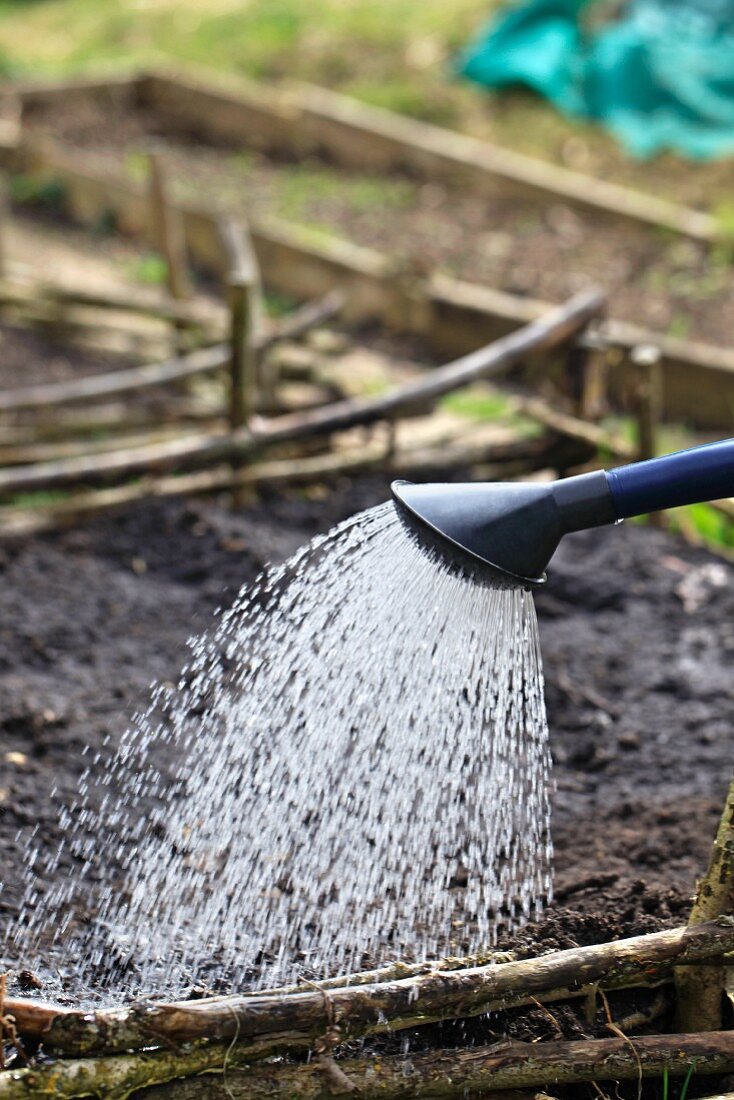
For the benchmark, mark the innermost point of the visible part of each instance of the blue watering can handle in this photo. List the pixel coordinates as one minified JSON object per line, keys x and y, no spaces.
{"x":686,"y":477}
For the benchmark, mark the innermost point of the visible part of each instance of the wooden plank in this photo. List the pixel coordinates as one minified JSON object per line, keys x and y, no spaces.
{"x":363,"y":137}
{"x":360,"y":136}
{"x":125,"y":87}
{"x":220,"y":111}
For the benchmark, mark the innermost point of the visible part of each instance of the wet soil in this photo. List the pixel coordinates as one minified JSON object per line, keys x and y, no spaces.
{"x":546,"y":251}
{"x":638,"y":641}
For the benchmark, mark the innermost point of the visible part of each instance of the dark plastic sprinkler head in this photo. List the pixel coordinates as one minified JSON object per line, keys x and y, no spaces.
{"x":513,"y":528}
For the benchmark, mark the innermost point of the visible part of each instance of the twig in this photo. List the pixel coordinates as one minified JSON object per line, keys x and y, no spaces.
{"x":427,"y":1074}
{"x":617,"y":1030}
{"x":700,"y":991}
{"x":7,"y":1025}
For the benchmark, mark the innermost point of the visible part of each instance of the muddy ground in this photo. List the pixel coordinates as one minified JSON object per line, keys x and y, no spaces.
{"x":546,"y":251}
{"x":638,"y":641}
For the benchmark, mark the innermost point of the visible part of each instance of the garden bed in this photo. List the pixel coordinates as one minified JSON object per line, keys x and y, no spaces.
{"x":637,"y":638}
{"x":512,"y":242}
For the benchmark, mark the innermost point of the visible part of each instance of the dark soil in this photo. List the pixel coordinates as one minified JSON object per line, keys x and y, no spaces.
{"x":546,"y":251}
{"x":638,"y":637}
{"x":26,"y":358}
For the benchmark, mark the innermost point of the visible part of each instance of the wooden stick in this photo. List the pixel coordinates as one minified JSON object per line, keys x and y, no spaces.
{"x":166,"y":227}
{"x":552,"y":330}
{"x":649,"y":400}
{"x":304,"y":318}
{"x":194,"y":313}
{"x":21,"y":290}
{"x":243,"y":383}
{"x":443,"y":1073}
{"x":95,"y":386}
{"x":593,"y":434}
{"x":4,"y":225}
{"x":16,"y":520}
{"x":700,"y":991}
{"x":593,"y":402}
{"x":25,"y":453}
{"x":371,"y":1009}
{"x":25,"y":521}
{"x":649,"y":395}
{"x":156,"y":374}
{"x":169,"y":238}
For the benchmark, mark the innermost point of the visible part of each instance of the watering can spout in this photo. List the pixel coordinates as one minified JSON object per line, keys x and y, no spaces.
{"x":513,"y":528}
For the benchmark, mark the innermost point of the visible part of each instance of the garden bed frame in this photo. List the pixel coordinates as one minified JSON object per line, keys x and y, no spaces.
{"x":257,"y":1042}
{"x":452,"y":315}
{"x":256,"y":1045}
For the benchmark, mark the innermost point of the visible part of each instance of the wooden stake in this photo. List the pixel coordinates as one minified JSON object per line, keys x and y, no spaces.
{"x":168,"y":235}
{"x":4,"y":226}
{"x":649,"y":400}
{"x":593,"y":397}
{"x":700,"y":989}
{"x":243,"y":380}
{"x":242,"y":262}
{"x":646,"y":358}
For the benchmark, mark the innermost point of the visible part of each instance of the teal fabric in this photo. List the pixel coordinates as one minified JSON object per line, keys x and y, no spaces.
{"x":661,"y":76}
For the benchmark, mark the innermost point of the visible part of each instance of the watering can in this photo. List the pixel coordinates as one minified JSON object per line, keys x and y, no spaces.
{"x":513,"y":529}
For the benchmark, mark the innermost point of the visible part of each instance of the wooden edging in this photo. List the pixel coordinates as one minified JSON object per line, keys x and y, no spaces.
{"x":492,"y":1069}
{"x":299,"y":1017}
{"x":309,"y":120}
{"x":553,"y":330}
{"x":453,"y":316}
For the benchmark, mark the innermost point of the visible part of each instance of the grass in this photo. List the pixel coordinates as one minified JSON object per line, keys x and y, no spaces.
{"x":387,"y":51}
{"x":684,"y":1087}
{"x":304,"y":185}
{"x":40,"y":498}
{"x":478,"y":404}
{"x":397,"y":54}
{"x":149,"y":269}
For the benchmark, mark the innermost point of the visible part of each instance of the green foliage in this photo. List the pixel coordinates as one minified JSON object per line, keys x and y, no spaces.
{"x":40,"y":498}
{"x":306,"y":185}
{"x":136,"y":166}
{"x":37,"y":191}
{"x":679,"y":326}
{"x":279,"y":305}
{"x":684,"y":1087}
{"x":687,"y":1082}
{"x":150,"y":269}
{"x":477,"y":404}
{"x":714,"y":528}
{"x":724,"y":214}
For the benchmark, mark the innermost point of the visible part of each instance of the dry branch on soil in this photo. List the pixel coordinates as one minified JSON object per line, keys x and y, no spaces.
{"x":553,"y":329}
{"x":492,"y":1068}
{"x":198,"y":362}
{"x":296,"y":1019}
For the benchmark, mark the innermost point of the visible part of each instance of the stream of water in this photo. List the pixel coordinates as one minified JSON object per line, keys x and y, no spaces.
{"x":354,"y":767}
